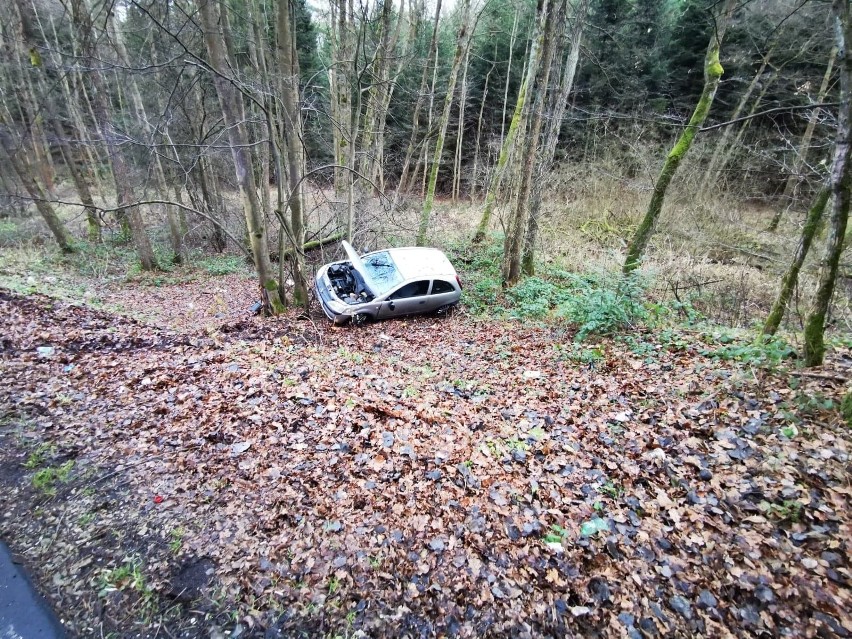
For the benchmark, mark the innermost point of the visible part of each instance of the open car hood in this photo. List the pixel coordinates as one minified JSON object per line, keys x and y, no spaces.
{"x":358,"y":265}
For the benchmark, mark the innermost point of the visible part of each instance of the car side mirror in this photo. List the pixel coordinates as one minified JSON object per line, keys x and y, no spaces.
{"x":392,"y":306}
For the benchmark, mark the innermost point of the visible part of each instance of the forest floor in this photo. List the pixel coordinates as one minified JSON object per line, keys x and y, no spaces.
{"x":207,"y":473}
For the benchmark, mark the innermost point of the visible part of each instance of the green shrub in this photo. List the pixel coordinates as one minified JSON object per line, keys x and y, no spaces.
{"x":217,"y":265}
{"x":534,"y":297}
{"x":768,"y":353}
{"x":602,"y":304}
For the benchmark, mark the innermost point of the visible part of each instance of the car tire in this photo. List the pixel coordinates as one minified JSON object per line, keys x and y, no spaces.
{"x":445,"y":310}
{"x":359,"y":319}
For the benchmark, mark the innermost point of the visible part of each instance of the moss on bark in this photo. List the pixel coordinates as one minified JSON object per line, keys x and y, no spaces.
{"x":788,"y":282}
{"x":712,"y":74}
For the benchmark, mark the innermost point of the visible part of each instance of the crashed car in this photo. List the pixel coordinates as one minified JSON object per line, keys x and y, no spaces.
{"x":389,"y":283}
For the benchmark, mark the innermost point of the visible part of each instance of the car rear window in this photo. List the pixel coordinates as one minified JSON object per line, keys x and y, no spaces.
{"x":412,"y":289}
{"x":440,"y":286}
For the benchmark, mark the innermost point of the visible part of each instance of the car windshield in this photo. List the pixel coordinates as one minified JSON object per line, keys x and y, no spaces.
{"x":381,"y":271}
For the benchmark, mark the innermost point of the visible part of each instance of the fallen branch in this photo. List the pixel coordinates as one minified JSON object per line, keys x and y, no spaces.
{"x":827,"y":376}
{"x":314,"y":244}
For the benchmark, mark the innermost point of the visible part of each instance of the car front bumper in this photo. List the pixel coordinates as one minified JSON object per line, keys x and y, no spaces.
{"x":334,"y":309}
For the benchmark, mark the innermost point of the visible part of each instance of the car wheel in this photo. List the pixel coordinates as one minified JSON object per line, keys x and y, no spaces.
{"x":445,"y":310}
{"x":359,"y":319}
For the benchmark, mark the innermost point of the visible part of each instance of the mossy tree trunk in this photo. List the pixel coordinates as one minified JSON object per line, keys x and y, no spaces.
{"x":233,"y":115}
{"x":712,"y":75}
{"x":462,"y":43}
{"x":841,"y":190}
{"x":40,"y":198}
{"x":791,"y":277}
{"x":517,"y":227}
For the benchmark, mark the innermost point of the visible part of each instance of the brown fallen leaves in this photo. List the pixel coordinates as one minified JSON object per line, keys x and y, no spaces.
{"x":417,"y":478}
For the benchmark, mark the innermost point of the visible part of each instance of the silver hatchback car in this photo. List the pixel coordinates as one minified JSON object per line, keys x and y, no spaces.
{"x":389,"y":283}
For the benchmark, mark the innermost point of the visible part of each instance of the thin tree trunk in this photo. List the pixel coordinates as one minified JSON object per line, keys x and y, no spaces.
{"x":418,"y":105}
{"x":551,"y":137}
{"x":378,"y":175}
{"x":509,"y":141}
{"x":516,"y":232}
{"x":713,"y":168}
{"x":354,"y":129}
{"x":841,"y":188}
{"x":289,"y":65}
{"x":145,"y":127}
{"x":92,"y":220}
{"x":232,"y":112}
{"x":791,"y":277}
{"x":123,"y":189}
{"x":379,"y":86}
{"x":477,"y":144}
{"x":802,"y":152}
{"x":512,"y":39}
{"x":712,"y":75}
{"x":460,"y":130}
{"x":463,"y":41}
{"x":48,"y":106}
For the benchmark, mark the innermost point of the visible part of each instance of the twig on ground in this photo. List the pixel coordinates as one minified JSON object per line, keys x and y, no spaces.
{"x":826,"y":376}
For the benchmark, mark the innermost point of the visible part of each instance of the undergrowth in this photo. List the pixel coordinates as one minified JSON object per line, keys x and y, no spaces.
{"x":596,"y":303}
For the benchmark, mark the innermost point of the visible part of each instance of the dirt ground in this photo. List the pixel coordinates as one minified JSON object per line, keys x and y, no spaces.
{"x":232,"y":476}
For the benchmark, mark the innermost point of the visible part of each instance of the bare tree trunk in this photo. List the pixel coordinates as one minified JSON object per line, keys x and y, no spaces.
{"x":378,"y":174}
{"x":791,"y":277}
{"x":477,"y":145}
{"x":145,"y":127}
{"x":711,"y":175}
{"x":354,"y":128}
{"x":512,"y":39}
{"x":374,"y":118}
{"x":123,"y":189}
{"x":462,"y":43}
{"x":516,"y":231}
{"x":712,"y":75}
{"x":802,"y":153}
{"x":128,"y":213}
{"x":551,"y":136}
{"x":460,"y":130}
{"x":92,"y":219}
{"x":289,"y":74}
{"x":509,"y":141}
{"x":232,"y":113}
{"x":841,"y":188}
{"x":48,"y":107}
{"x":418,"y":105}
{"x":342,"y":98}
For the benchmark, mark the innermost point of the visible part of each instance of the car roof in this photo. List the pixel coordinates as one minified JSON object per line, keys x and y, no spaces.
{"x":414,"y":261}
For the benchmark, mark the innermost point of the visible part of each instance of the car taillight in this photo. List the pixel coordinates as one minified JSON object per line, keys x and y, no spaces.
{"x":458,"y":279}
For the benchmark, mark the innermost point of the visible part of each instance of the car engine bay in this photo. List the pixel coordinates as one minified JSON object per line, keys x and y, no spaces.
{"x":348,"y":284}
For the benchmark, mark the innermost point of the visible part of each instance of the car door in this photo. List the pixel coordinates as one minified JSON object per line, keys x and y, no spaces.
{"x":441,"y":294}
{"x":408,"y":299}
